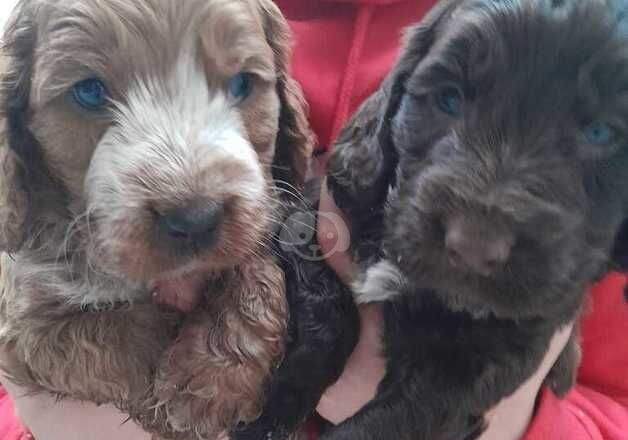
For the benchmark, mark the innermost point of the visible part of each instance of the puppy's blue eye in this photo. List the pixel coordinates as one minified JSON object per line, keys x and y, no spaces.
{"x":90,"y":94}
{"x":599,"y":133}
{"x":450,"y":101}
{"x":241,"y":85}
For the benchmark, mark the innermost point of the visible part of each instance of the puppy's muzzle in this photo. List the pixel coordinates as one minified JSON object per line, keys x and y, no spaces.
{"x":482,"y":248}
{"x":196,"y":226}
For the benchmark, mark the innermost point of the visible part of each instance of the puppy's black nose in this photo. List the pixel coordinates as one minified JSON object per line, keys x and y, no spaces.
{"x":481,"y":248}
{"x":198,"y":225}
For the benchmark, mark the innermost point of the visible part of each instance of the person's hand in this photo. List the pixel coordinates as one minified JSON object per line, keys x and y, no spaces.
{"x":366,"y":367}
{"x":49,"y":419}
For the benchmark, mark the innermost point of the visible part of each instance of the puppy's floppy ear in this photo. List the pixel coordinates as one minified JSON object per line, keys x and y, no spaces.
{"x":295,"y":140}
{"x":18,"y":148}
{"x":363,"y":164}
{"x":619,"y":256}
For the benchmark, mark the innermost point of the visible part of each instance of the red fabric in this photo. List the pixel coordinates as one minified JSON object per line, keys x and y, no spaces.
{"x":343,"y":49}
{"x":598,"y":408}
{"x":10,"y":427}
{"x":605,"y":340}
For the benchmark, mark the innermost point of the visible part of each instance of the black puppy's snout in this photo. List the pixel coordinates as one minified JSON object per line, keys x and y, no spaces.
{"x":196,"y":224}
{"x":481,"y":247}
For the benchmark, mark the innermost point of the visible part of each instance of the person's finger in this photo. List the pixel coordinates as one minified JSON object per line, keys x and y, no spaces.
{"x":511,"y":417}
{"x":330,"y":233}
{"x":363,"y":372}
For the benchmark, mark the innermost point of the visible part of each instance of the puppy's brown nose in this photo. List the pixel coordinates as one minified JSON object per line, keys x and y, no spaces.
{"x":481,"y":248}
{"x":197,"y":225}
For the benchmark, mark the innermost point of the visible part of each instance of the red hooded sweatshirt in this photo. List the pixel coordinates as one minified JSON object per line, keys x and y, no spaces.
{"x":343,"y":49}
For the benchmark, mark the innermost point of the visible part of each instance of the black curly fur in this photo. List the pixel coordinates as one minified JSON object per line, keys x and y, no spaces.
{"x":620,"y":249}
{"x":532,"y":74}
{"x":323,"y":329}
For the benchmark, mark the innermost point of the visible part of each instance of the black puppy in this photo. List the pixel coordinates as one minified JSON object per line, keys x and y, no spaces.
{"x":323,"y":327}
{"x":494,"y":164}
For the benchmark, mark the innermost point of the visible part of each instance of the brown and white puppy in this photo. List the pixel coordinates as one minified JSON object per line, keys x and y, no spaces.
{"x":142,"y":143}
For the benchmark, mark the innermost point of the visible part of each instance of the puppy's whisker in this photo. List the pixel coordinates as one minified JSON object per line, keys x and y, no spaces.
{"x":307,"y":226}
{"x":74,"y":228}
{"x":288,"y":188}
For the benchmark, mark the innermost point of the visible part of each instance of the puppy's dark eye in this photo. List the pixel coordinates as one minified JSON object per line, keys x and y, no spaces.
{"x":599,"y":133}
{"x":450,"y":101}
{"x":241,"y":85}
{"x":91,"y":94}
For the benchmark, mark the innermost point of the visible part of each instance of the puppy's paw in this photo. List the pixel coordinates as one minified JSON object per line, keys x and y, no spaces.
{"x":184,"y":413}
{"x":382,"y":282}
{"x":203,"y":389}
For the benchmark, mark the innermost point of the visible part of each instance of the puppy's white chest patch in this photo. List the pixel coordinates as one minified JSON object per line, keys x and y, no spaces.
{"x":382,"y":282}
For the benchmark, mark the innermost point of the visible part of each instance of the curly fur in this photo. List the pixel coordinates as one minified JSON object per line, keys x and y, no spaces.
{"x":78,"y":193}
{"x":221,"y":386}
{"x":514,"y":162}
{"x":323,"y":328}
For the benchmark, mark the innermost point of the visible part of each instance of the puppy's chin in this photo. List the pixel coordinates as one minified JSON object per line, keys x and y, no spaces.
{"x":483,"y":297}
{"x":528,"y":286}
{"x":517,"y":292}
